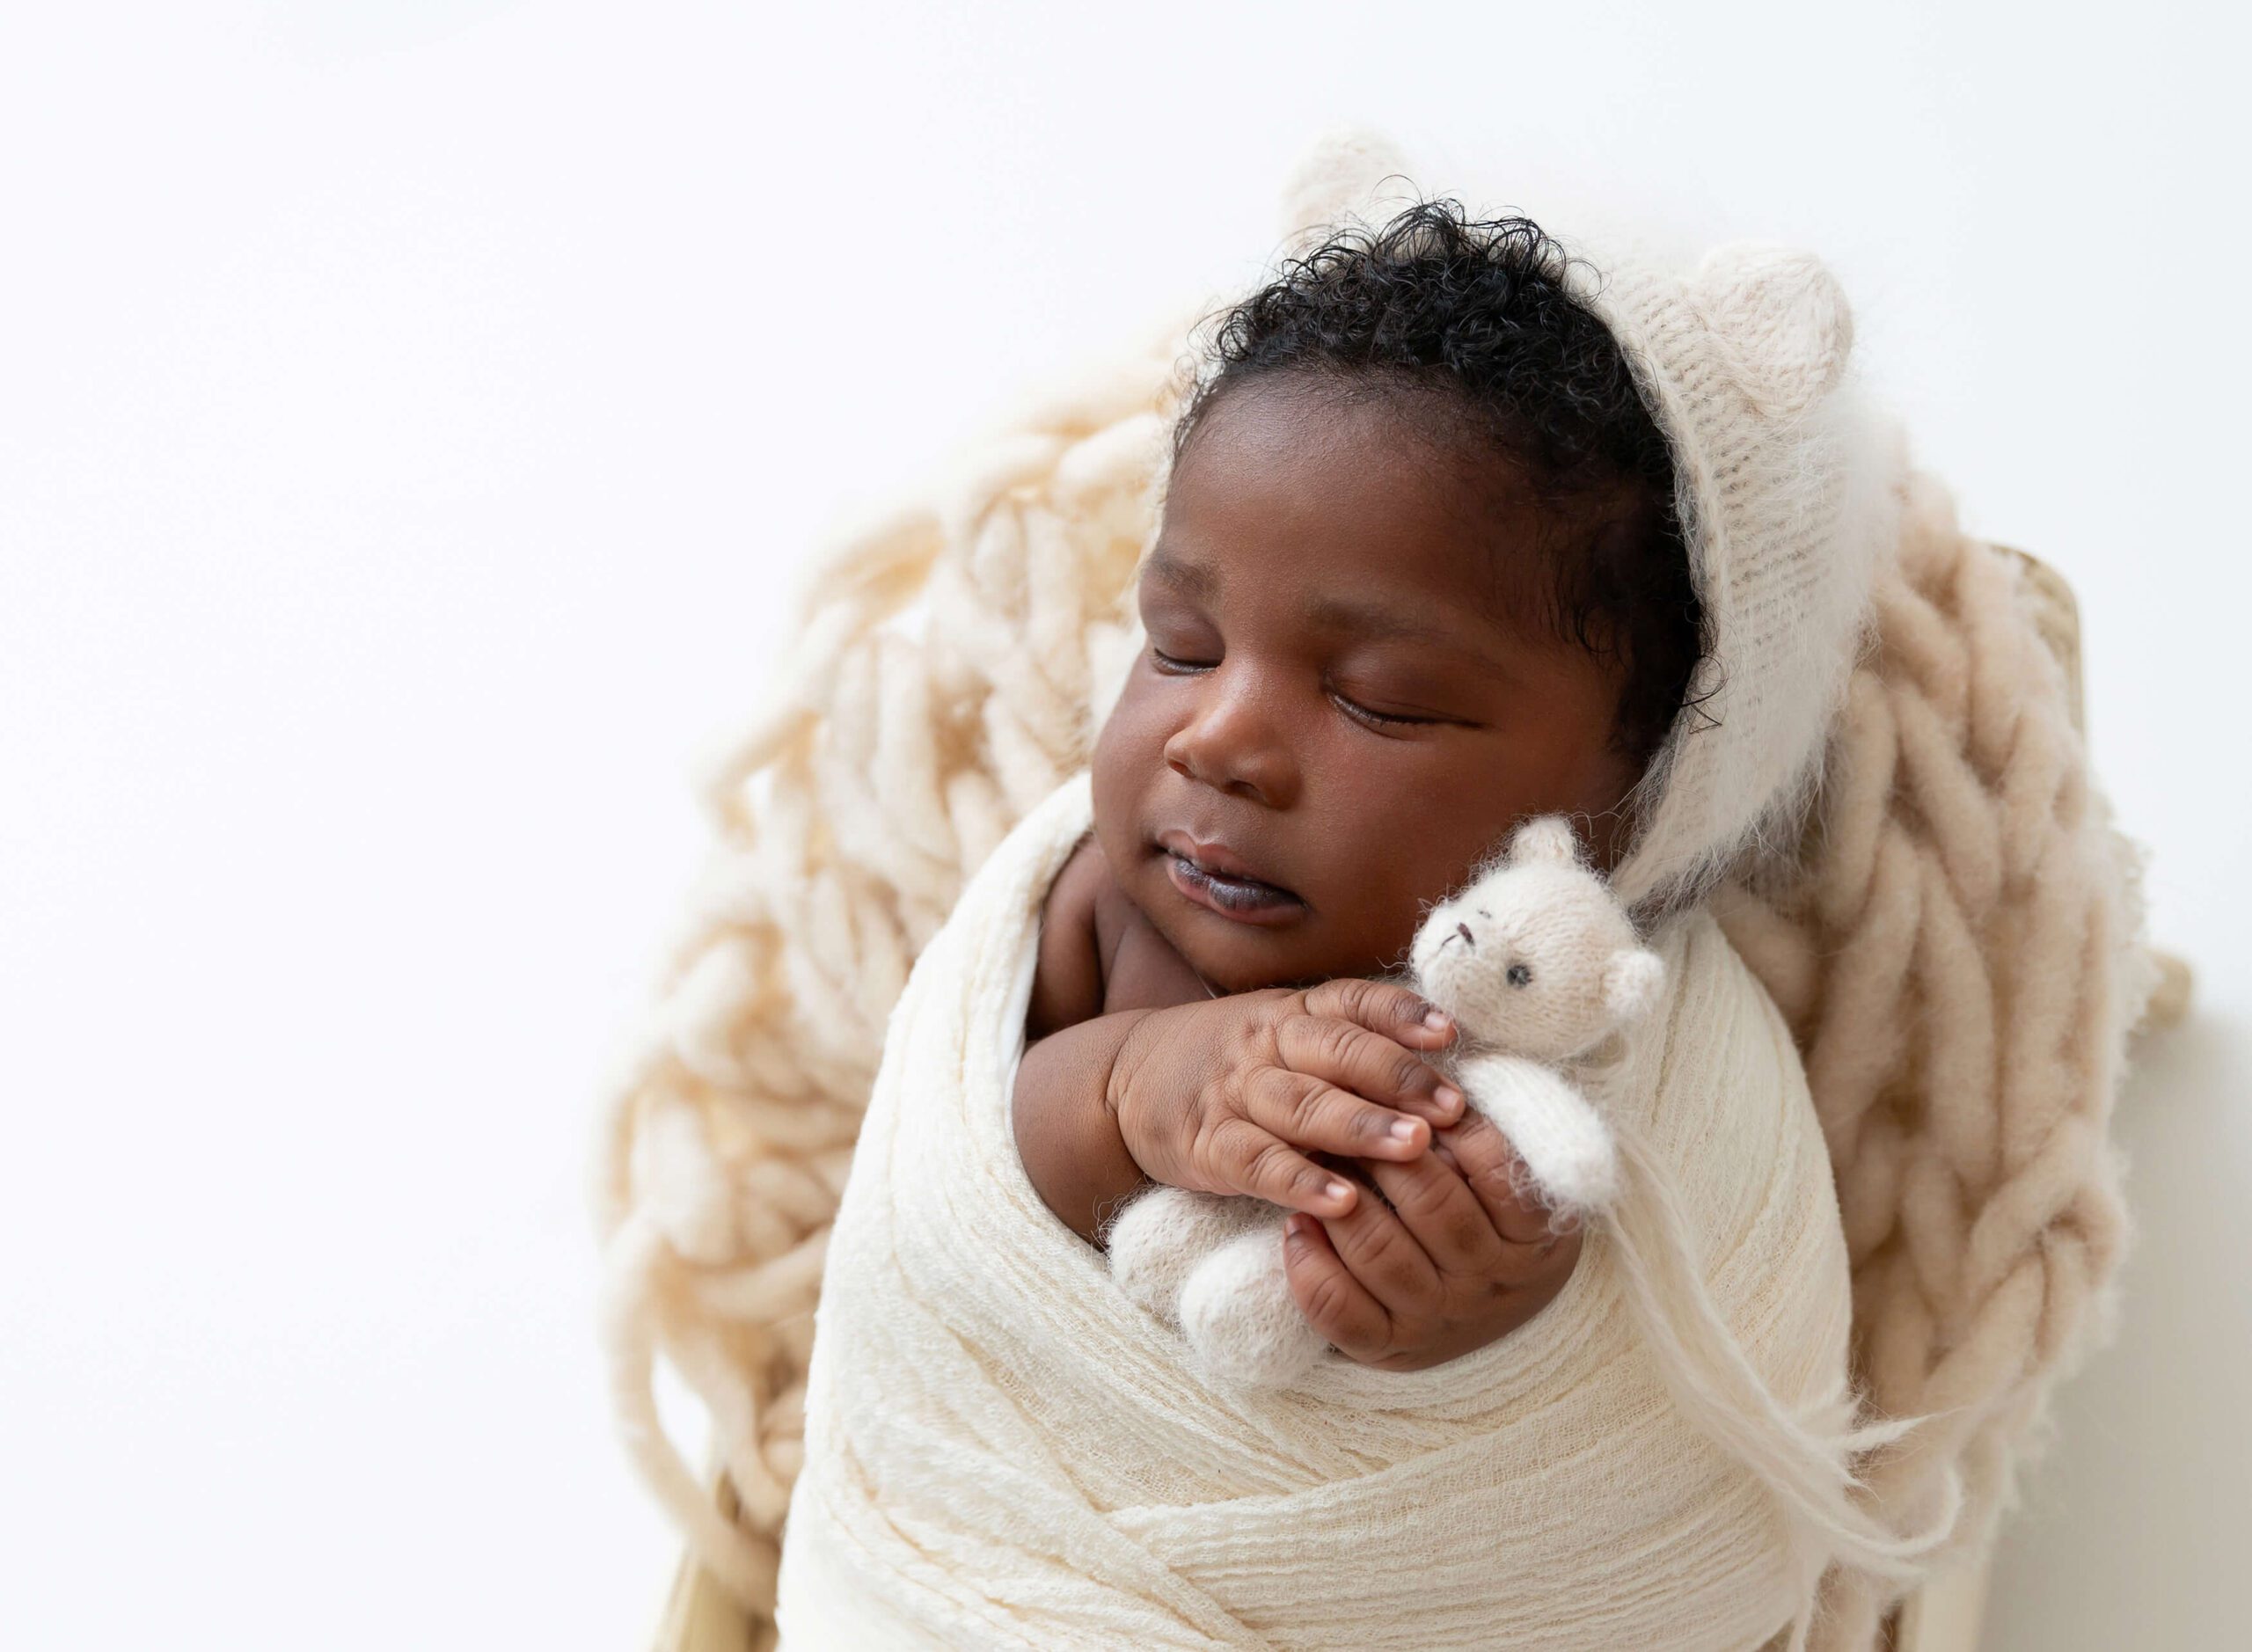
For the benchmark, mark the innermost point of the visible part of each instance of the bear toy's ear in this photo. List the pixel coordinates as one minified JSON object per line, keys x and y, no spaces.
{"x":1784,"y":318}
{"x":1631,"y":982}
{"x":1549,"y":837}
{"x":1349,"y":173}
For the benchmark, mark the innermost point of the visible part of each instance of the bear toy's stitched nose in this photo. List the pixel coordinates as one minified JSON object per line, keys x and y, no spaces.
{"x":1463,"y":930}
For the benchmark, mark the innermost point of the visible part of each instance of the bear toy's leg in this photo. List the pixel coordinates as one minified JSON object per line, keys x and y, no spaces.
{"x":1242,"y":1323}
{"x":1157,"y":1239}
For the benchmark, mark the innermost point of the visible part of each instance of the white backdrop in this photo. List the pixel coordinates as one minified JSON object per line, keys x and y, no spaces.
{"x":412,"y":418}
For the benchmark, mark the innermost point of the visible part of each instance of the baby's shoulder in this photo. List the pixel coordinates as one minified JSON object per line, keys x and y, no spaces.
{"x":1067,"y":976}
{"x":1098,"y":952}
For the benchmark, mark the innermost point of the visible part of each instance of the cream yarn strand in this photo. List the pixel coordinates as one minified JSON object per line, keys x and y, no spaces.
{"x":941,"y":679}
{"x":1958,"y":953}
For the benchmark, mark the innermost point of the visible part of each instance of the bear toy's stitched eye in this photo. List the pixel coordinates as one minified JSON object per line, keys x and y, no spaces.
{"x":1520,"y":974}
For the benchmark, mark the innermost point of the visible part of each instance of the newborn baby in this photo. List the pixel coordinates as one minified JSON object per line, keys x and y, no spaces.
{"x":1418,"y":578}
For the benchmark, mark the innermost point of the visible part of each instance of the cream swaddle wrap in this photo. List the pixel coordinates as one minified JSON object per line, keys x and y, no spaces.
{"x":1003,"y":1449}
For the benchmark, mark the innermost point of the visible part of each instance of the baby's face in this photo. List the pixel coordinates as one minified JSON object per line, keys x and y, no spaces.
{"x":1335,"y":721}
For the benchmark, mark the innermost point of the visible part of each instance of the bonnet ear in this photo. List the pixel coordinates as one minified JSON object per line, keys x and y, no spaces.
{"x":1631,"y":982}
{"x":1349,"y":173}
{"x":1549,"y":837}
{"x":1783,"y":317}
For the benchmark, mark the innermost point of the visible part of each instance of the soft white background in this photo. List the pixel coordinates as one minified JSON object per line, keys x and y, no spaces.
{"x":412,"y":417}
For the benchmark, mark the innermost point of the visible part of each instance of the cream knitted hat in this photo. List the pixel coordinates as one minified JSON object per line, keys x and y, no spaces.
{"x":1788,"y":485}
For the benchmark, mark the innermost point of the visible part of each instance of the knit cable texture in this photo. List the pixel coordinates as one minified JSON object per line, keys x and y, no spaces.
{"x":1959,"y":951}
{"x":1956,"y":946}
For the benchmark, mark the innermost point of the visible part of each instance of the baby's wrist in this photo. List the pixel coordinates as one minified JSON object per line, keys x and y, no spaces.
{"x":1128,"y":1069}
{"x":1072,"y":1146}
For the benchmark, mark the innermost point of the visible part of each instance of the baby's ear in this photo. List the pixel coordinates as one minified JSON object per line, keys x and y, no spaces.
{"x":1547,"y":839}
{"x":1349,"y":173}
{"x":1784,"y":317}
{"x":1631,"y":982}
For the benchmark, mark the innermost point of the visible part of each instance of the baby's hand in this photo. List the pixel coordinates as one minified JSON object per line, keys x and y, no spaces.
{"x":1220,"y":1097}
{"x":1458,"y":1252}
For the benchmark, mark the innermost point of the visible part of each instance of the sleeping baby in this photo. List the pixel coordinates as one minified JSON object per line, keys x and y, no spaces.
{"x":1455,"y":537}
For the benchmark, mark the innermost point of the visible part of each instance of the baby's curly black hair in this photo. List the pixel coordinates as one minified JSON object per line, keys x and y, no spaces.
{"x":1471,"y":324}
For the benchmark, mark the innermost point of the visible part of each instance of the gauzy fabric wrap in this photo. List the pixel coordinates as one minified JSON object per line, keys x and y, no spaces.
{"x":1002,"y":1451}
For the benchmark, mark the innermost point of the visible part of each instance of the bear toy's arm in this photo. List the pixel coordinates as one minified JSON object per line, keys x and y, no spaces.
{"x":1566,"y":1146}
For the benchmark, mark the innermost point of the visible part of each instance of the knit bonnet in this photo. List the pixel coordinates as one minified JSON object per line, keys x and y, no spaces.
{"x":1788,"y":486}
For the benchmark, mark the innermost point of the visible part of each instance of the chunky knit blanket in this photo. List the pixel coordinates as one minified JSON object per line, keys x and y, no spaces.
{"x":1954,"y":948}
{"x":1003,"y":1449}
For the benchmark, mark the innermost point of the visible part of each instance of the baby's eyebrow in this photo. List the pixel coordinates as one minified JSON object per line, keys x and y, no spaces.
{"x":1190,"y":579}
{"x":1392,"y":625}
{"x":1372,"y":621}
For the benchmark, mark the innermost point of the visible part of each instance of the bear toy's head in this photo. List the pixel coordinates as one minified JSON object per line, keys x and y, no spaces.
{"x":1536,"y":957}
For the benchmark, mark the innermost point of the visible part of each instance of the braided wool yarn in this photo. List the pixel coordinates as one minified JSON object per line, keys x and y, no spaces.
{"x":1958,"y":949}
{"x":1954,"y":944}
{"x":897,"y":751}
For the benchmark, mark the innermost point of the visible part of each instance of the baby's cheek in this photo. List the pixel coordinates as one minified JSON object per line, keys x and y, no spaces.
{"x":1119,"y":768}
{"x":1374,"y":913}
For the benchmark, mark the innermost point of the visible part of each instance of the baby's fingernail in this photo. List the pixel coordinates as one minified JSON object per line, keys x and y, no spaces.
{"x":1338,"y":1191}
{"x":1403,"y":1129}
{"x":1296,"y":1226}
{"x":1437,"y":1019}
{"x":1448,"y":1097}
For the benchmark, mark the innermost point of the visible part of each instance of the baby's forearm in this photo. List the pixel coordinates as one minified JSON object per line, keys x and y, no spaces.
{"x":1067,"y":1134}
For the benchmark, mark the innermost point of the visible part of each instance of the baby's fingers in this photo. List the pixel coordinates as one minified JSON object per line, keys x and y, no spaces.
{"x":1368,"y":1064}
{"x":1386,"y":1007}
{"x":1312,"y":1114}
{"x":1242,"y":1158}
{"x":1334,"y":1303}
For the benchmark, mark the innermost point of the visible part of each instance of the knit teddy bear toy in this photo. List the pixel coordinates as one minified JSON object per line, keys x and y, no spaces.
{"x":1539,"y":965}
